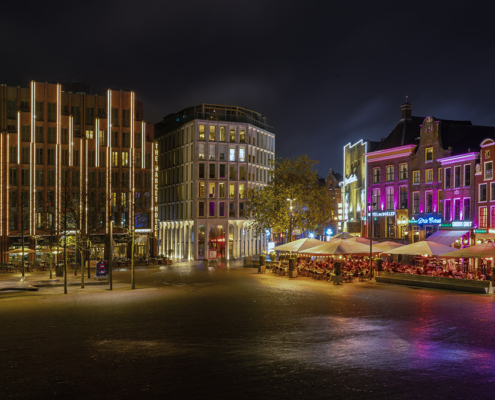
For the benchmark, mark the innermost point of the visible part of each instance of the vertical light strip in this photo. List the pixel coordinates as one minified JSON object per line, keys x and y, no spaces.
{"x":7,"y":192}
{"x":109,"y":166}
{"x":1,"y":182}
{"x":131,"y":174}
{"x":86,"y":190}
{"x":81,"y":194}
{"x":19,"y":136}
{"x":71,"y":138}
{"x":33,"y":128}
{"x":97,"y":146}
{"x":143,"y":145}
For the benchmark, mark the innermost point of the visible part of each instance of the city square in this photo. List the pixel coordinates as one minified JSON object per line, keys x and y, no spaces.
{"x":195,"y":330}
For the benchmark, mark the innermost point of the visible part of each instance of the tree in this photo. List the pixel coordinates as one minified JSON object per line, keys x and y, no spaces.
{"x":268,"y":206}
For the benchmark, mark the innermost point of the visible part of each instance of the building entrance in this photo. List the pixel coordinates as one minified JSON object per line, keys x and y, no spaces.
{"x":216,"y":248}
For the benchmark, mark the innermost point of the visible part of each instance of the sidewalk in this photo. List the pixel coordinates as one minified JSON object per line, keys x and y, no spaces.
{"x":34,"y":280}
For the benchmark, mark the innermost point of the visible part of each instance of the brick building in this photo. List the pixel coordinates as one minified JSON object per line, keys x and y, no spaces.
{"x":96,"y":147}
{"x":421,"y":176}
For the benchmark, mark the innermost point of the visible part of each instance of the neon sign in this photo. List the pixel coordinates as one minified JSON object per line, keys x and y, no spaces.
{"x":383,"y":214}
{"x":462,"y":224}
{"x":352,"y":178}
{"x":429,"y":220}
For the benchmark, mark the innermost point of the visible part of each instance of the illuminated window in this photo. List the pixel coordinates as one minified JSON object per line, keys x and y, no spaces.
{"x":487,"y":153}
{"x":440,"y":174}
{"x":242,"y":136}
{"x":242,"y":154}
{"x":125,"y":159}
{"x":488,"y":170}
{"x":123,"y":199}
{"x":201,"y":189}
{"x":213,"y":132}
{"x":221,"y":190}
{"x":390,"y":173}
{"x":232,"y":135}
{"x":201,"y":132}
{"x":242,"y":193}
{"x":222,"y":134}
{"x":376,"y":199}
{"x":390,"y":198}
{"x":376,"y":175}
{"x":429,"y":154}
{"x":429,"y":176}
{"x":201,"y":154}
{"x":115,"y":158}
{"x":483,"y":217}
{"x":114,"y":199}
{"x":211,"y":189}
{"x":403,"y":172}
{"x":457,"y":209}
{"x":416,"y":178}
{"x":103,"y":138}
{"x":232,"y":153}
{"x":222,"y":152}
{"x":232,"y":191}
{"x":89,"y":134}
{"x":212,"y":152}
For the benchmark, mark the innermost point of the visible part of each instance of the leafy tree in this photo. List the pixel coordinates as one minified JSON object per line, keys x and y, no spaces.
{"x":268,"y":206}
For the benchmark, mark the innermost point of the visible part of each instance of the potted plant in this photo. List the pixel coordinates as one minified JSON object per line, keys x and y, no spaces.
{"x":378,"y":266}
{"x":273,"y":255}
{"x":262,"y":266}
{"x":292,"y":267}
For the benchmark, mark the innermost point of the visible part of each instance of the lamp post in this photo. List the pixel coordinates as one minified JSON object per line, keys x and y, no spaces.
{"x":290,"y":223}
{"x":371,"y":205}
{"x":110,"y":257}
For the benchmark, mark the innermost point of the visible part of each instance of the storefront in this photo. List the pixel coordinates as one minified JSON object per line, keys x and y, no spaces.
{"x":216,"y":242}
{"x":422,"y":227}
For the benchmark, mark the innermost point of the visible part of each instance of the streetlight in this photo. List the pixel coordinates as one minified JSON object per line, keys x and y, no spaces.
{"x":290,"y":225}
{"x":371,"y":205}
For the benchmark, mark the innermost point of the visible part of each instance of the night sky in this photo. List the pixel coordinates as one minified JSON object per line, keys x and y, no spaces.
{"x":324,"y":73}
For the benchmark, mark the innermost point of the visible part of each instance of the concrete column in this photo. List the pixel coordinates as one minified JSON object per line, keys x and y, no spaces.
{"x":207,"y":239}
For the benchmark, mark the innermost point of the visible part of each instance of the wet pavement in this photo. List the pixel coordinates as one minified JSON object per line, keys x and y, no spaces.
{"x":193,"y":331}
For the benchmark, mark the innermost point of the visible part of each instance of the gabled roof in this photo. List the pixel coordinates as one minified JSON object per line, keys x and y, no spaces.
{"x":461,"y":136}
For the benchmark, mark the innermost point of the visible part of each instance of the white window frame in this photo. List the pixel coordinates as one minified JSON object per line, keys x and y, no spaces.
{"x":479,"y":193}
{"x":470,"y":176}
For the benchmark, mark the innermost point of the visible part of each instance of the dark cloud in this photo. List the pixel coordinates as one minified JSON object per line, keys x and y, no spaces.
{"x":324,"y":73}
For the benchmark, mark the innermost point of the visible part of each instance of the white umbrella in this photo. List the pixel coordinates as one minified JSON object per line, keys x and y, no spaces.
{"x":299,"y":245}
{"x":425,"y":248}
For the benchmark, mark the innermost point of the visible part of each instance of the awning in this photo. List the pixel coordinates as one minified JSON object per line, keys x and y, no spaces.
{"x":446,"y":237}
{"x":485,"y":236}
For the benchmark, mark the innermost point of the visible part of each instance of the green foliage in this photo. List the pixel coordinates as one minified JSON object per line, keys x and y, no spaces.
{"x":268,"y":206}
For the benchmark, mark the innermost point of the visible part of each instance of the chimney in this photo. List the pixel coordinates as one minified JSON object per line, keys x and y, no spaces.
{"x":406,"y":110}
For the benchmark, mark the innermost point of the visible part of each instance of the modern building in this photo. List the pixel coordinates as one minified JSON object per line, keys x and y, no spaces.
{"x":209,"y":155}
{"x":333,"y":183}
{"x":87,"y":155}
{"x":354,"y":186}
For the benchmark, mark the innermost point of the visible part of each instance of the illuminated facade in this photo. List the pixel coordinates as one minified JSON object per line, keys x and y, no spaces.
{"x":95,"y":147}
{"x":209,"y":155}
{"x":354,"y":187}
{"x":421,"y":177}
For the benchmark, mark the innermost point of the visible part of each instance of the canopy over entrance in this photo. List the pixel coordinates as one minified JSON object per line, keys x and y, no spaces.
{"x":446,"y":237}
